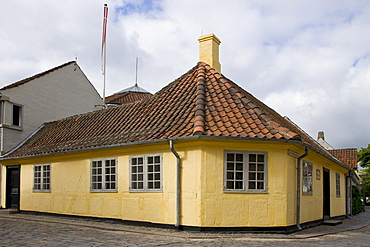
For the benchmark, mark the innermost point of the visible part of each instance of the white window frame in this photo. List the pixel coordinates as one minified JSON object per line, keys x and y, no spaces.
{"x":104,"y":178}
{"x":146,"y":173}
{"x":337,"y":184}
{"x":307,"y":178}
{"x":42,"y":178}
{"x":246,"y":174}
{"x":20,"y":115}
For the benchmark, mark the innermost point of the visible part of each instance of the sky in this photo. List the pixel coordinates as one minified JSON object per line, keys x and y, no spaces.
{"x":308,"y":60}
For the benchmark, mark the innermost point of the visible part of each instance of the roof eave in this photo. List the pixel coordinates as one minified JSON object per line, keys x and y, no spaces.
{"x":292,"y":141}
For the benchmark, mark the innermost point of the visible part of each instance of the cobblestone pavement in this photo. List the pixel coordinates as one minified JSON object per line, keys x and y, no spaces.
{"x":41,"y":230}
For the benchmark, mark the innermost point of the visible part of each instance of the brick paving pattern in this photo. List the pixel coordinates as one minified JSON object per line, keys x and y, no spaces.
{"x":36,"y":230}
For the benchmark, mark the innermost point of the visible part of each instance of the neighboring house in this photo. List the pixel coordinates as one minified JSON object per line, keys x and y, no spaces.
{"x":347,"y":156}
{"x":202,"y":154}
{"x":128,"y":95}
{"x":321,"y":140}
{"x":54,"y":94}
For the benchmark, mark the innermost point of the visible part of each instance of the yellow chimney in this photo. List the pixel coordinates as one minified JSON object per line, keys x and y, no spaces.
{"x":209,"y":50}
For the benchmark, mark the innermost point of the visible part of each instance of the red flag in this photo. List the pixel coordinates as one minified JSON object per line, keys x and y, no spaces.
{"x":104,"y":36}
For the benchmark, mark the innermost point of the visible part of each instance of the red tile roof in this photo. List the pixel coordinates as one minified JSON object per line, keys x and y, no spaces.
{"x":126,"y":97}
{"x":347,"y":156}
{"x":201,"y":102}
{"x":21,"y":82}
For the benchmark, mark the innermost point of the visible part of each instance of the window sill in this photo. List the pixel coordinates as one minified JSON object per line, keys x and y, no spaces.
{"x":145,"y":191}
{"x":103,"y":191}
{"x":6,"y":126}
{"x":307,"y":194}
{"x":246,"y":192}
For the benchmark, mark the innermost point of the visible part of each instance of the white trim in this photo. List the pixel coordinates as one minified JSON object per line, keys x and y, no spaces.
{"x":246,"y":171}
{"x":306,"y":178}
{"x":42,"y":177}
{"x":103,"y":174}
{"x":145,"y":172}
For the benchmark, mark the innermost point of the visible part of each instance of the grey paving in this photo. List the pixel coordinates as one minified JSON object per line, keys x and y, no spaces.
{"x":36,"y":230}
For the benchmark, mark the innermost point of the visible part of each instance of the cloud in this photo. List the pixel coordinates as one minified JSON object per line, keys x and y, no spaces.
{"x":308,"y":60}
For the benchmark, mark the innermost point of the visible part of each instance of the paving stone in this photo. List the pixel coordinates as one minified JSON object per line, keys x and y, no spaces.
{"x":36,"y":230}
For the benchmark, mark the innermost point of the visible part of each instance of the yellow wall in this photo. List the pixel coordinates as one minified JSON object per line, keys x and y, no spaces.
{"x":204,"y":203}
{"x":70,"y":189}
{"x":244,"y":209}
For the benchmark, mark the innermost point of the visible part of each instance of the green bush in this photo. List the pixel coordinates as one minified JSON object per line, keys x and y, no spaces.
{"x":357,"y":206}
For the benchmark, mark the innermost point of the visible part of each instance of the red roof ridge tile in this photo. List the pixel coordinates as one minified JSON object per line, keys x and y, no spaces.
{"x":199,"y":126}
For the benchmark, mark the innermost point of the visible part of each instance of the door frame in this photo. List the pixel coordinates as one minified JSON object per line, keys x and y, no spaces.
{"x":8,"y":200}
{"x":326,"y":193}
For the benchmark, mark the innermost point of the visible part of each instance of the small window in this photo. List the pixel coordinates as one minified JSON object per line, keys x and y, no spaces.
{"x":337,"y":184}
{"x":307,"y":178}
{"x":17,"y":115}
{"x":41,"y":178}
{"x":104,"y":175}
{"x":146,"y":173}
{"x":245,"y":171}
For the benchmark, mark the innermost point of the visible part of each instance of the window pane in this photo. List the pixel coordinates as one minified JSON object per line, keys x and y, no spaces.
{"x":157,"y":168}
{"x":252,"y":167}
{"x":252,"y":185}
{"x":252,"y":176}
{"x":150,"y":160}
{"x":150,"y":185}
{"x":260,"y":167}
{"x":230,"y":175}
{"x":261,"y":158}
{"x":140,"y":185}
{"x":230,"y":157}
{"x":239,"y":157}
{"x":134,"y":185}
{"x":239,"y":185}
{"x":157,"y":159}
{"x":230,"y":166}
{"x":239,"y":175}
{"x":252,"y":158}
{"x":239,"y":166}
{"x":150,"y":168}
{"x":230,"y":185}
{"x":260,"y":185}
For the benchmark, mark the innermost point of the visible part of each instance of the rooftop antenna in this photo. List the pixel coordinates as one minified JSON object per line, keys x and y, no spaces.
{"x":75,"y":63}
{"x":137,"y":61}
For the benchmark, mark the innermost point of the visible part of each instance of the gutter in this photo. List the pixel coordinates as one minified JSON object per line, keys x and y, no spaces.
{"x":178,"y":185}
{"x":298,"y":214}
{"x":298,"y":142}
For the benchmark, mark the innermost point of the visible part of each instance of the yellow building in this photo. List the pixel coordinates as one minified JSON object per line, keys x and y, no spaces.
{"x":202,"y":153}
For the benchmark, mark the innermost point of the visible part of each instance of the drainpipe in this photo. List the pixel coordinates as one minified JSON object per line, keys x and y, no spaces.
{"x":299,"y":188}
{"x":178,"y":185}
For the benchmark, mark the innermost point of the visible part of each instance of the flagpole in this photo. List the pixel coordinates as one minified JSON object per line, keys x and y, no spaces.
{"x":105,"y":72}
{"x":104,"y":49}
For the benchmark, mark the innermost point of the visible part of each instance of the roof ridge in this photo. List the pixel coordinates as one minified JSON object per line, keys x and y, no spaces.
{"x":28,"y":79}
{"x":200,"y":101}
